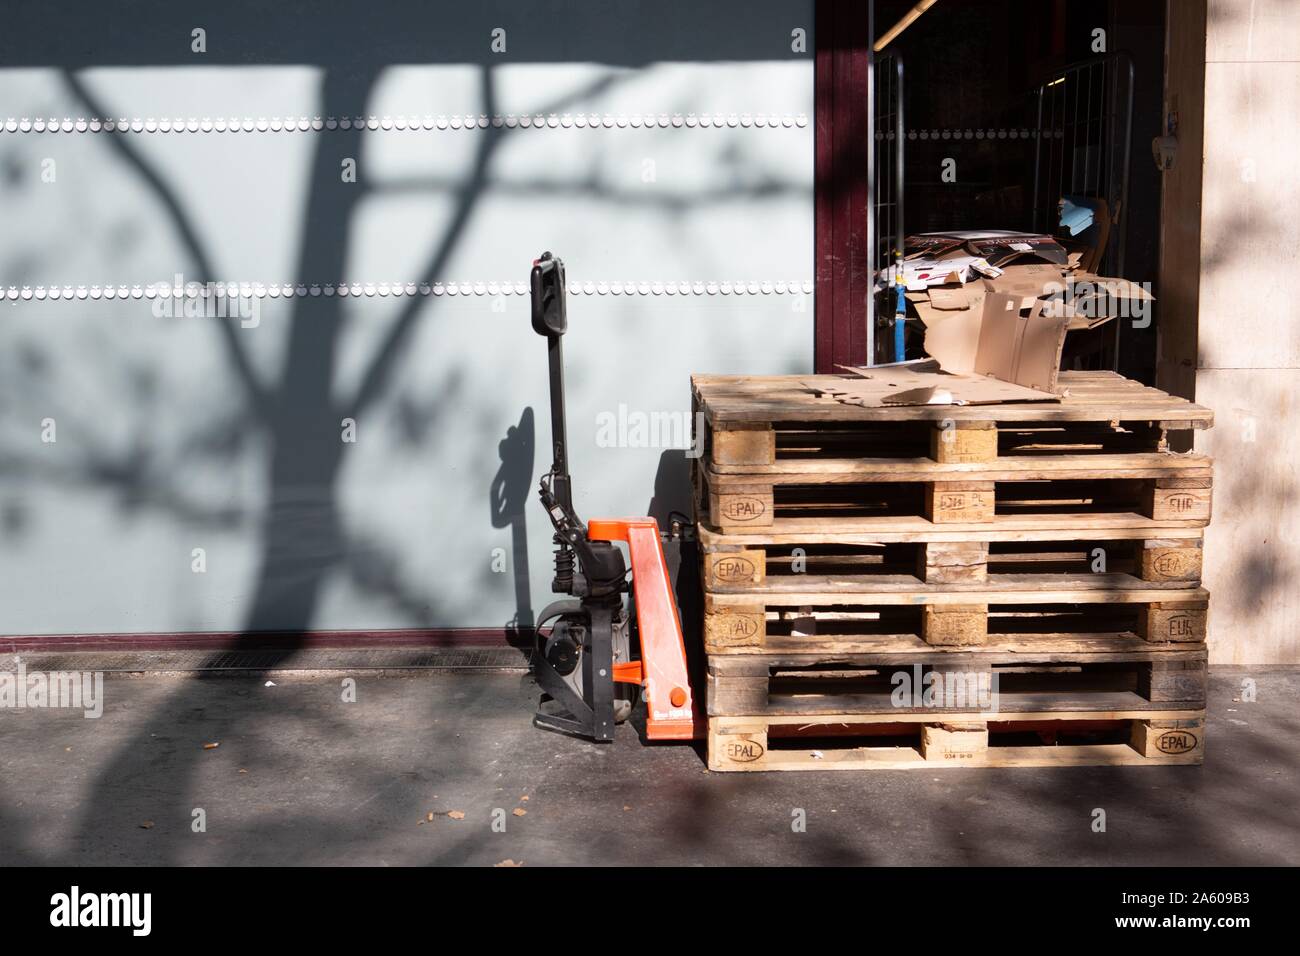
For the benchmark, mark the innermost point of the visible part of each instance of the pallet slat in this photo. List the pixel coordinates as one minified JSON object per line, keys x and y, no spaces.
{"x":1016,"y":468}
{"x":881,"y":683}
{"x":736,"y":563}
{"x":745,"y":744}
{"x":735,"y":399}
{"x":747,"y":503}
{"x":859,"y":531}
{"x":755,"y":622}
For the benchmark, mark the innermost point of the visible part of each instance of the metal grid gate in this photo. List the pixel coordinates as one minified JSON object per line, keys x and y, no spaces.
{"x":1084,"y":143}
{"x":1083,"y":137}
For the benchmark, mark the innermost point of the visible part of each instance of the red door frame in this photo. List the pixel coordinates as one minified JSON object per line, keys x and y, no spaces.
{"x":842,"y":111}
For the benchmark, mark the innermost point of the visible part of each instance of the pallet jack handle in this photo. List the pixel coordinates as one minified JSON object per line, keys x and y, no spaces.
{"x":672,"y":712}
{"x":551,"y":319}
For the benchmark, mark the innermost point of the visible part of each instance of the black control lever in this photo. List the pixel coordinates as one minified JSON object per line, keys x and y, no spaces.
{"x":603,"y":568}
{"x":551,"y":319}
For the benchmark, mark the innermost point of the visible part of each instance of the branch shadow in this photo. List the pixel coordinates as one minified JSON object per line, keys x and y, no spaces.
{"x":508,"y":497}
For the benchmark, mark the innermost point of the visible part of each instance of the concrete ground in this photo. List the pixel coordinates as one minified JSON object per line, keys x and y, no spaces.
{"x":301,"y":777}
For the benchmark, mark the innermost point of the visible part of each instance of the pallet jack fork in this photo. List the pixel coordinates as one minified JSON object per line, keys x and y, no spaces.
{"x":584,"y":662}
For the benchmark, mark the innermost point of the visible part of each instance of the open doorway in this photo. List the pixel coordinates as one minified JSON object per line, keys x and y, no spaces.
{"x":984,"y":115}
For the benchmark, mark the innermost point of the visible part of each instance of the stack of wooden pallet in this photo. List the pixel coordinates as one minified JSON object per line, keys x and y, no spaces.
{"x":1035,"y":567}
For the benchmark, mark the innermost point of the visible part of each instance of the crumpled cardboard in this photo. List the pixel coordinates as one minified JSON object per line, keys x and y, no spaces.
{"x":1084,"y":299}
{"x":1021,"y":345}
{"x":999,"y":304}
{"x":1006,"y":335}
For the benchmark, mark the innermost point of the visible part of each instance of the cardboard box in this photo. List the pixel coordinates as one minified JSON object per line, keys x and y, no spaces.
{"x":1021,"y":345}
{"x":1011,"y":337}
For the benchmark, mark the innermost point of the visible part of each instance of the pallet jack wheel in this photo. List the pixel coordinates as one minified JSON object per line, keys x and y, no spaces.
{"x":561,"y":646}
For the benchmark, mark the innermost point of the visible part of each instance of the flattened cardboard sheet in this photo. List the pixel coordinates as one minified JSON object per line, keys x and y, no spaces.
{"x":998,"y":246}
{"x":1028,"y":280}
{"x":1086,"y":283}
{"x":923,"y":382}
{"x":947,"y":299}
{"x":918,"y":274}
{"x":1017,"y":347}
{"x":952,"y":336}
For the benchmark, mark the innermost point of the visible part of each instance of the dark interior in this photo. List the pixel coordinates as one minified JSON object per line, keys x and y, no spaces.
{"x":972,"y":73}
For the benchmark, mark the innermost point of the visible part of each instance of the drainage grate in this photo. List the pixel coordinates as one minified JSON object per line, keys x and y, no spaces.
{"x":467,"y":659}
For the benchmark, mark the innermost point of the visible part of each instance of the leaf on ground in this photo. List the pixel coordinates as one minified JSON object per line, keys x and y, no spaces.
{"x":147,"y":825}
{"x":524,"y":798}
{"x":519,"y":811}
{"x":456,"y":814}
{"x":429,"y":818}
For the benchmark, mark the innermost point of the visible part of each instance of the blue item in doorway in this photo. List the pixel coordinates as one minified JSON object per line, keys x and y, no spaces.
{"x":900,"y":322}
{"x":1074,"y":217}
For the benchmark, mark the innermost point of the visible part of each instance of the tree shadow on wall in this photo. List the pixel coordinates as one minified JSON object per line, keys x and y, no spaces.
{"x":298,"y":419}
{"x":508,"y":497}
{"x":293,"y":417}
{"x":299,"y":416}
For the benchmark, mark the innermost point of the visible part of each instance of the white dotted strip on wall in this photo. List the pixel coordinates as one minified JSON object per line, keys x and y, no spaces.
{"x":305,"y":124}
{"x":290,"y":290}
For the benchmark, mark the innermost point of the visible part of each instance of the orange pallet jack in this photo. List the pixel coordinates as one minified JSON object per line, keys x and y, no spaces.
{"x":585,"y":660}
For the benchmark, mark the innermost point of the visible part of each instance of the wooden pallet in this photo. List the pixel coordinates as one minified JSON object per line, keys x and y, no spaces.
{"x":955,"y":615}
{"x":734,"y":563}
{"x":1051,"y":673}
{"x":768,"y":407}
{"x":742,"y":503}
{"x":775,"y":451}
{"x":959,"y":541}
{"x":847,"y":448}
{"x":889,"y":742}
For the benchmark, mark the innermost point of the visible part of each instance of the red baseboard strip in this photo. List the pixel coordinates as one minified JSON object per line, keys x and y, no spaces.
{"x":267,"y":640}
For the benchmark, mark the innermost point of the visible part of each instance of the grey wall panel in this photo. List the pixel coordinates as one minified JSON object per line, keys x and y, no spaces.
{"x":355,"y":39}
{"x":179,"y":433}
